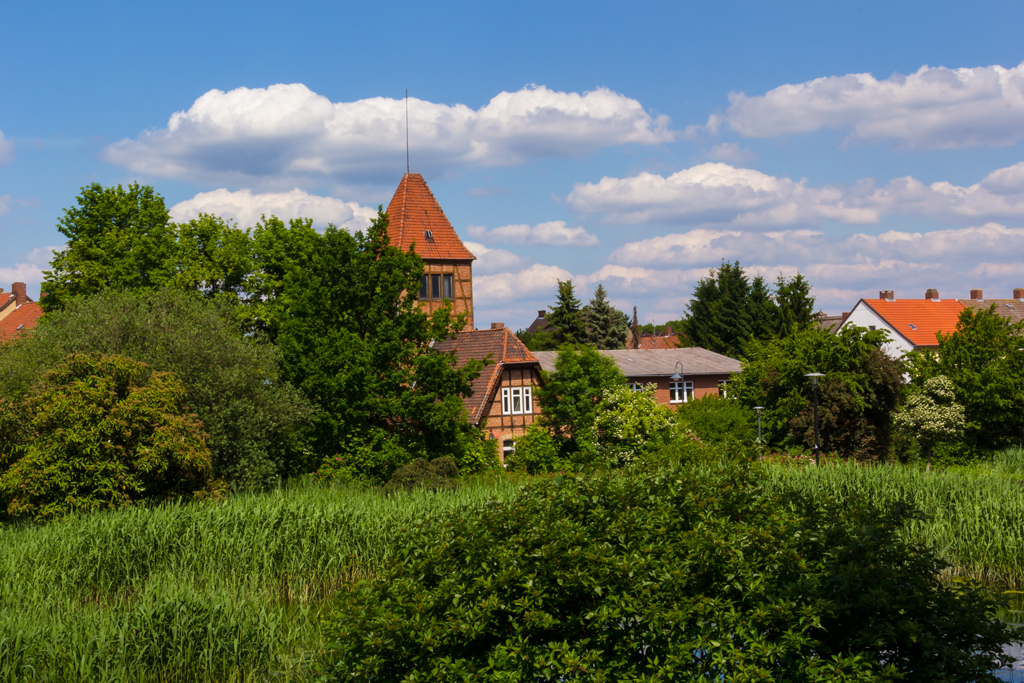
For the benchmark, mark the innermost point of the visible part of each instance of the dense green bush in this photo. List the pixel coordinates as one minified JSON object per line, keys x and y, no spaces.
{"x":684,"y":574}
{"x":536,"y":452}
{"x":231,"y":380}
{"x":435,"y":475}
{"x":99,"y":432}
{"x":718,"y":420}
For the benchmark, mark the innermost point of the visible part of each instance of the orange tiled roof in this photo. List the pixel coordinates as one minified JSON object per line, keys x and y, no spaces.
{"x":660,"y":341}
{"x":412,"y":213}
{"x":504,"y":348}
{"x":21,"y":319}
{"x":918,"y":319}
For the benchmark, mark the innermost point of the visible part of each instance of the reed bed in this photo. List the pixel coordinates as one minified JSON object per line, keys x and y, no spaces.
{"x":227,"y":591}
{"x":974,"y":518}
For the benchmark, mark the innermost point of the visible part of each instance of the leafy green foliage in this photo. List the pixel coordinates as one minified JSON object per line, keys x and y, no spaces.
{"x":932,"y":414}
{"x":99,"y":432}
{"x":536,"y":452}
{"x":606,"y":326}
{"x":719,"y":420}
{"x":640,"y":577}
{"x":570,"y":396}
{"x":630,"y":423}
{"x":857,"y":396}
{"x":358,"y":346}
{"x":252,"y":418}
{"x":984,"y":361}
{"x":214,"y":258}
{"x":566,"y":317}
{"x":436,"y":475}
{"x":117,"y":238}
{"x":727,"y":310}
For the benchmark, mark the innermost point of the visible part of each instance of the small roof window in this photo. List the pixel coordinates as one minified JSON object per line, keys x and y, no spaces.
{"x":429,"y":234}
{"x":19,"y":327}
{"x":913,"y":326}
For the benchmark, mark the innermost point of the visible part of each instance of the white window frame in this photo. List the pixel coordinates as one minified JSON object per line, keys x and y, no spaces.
{"x":635,"y":386}
{"x":723,"y":388}
{"x":510,"y":396}
{"x":674,"y":389}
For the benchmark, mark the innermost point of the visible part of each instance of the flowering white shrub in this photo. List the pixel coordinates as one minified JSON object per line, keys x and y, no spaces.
{"x":628,"y":421}
{"x":933,"y":415}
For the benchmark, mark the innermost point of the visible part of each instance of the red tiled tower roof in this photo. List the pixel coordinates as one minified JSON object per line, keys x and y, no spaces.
{"x":414,"y":212}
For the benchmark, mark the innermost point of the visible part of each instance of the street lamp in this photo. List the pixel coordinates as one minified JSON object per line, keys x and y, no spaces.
{"x":814,"y":385}
{"x":759,"y":409}
{"x":677,"y":376}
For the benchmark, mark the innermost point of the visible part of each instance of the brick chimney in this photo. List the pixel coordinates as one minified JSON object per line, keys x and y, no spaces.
{"x":497,"y":326}
{"x":886,"y":294}
{"x":1018,"y":293}
{"x":540,"y":314}
{"x":20,"y":293}
{"x":977,"y":295}
{"x":932,"y":294}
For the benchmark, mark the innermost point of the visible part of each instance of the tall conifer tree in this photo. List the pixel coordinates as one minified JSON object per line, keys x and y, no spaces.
{"x":607,"y":327}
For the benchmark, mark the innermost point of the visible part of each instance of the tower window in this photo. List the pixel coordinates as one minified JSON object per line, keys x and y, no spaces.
{"x":448,"y":287}
{"x":423,"y":286}
{"x":435,"y":286}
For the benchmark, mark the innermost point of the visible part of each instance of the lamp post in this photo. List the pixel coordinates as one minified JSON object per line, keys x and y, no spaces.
{"x":759,"y":409}
{"x":814,"y":385}
{"x":677,"y":376}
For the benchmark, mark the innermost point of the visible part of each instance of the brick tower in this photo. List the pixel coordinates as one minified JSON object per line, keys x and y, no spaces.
{"x":415,"y":220}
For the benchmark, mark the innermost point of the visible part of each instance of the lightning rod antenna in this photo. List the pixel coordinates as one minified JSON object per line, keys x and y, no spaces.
{"x":406,"y":130}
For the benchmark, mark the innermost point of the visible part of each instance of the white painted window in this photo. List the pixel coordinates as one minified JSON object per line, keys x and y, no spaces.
{"x":635,"y":386}
{"x":680,"y":392}
{"x":517,"y":401}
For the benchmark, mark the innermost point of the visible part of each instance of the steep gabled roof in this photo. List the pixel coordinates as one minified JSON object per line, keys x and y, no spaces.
{"x":413,"y":213}
{"x":504,"y":349}
{"x":918,"y":320}
{"x":20,"y":320}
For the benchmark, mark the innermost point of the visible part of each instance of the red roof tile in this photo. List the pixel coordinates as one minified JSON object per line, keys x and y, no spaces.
{"x":918,"y":319}
{"x":21,"y":319}
{"x":661,"y":341}
{"x":413,"y":213}
{"x":504,"y":348}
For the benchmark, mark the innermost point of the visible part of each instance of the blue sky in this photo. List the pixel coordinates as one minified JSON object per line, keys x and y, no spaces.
{"x":869,"y":145}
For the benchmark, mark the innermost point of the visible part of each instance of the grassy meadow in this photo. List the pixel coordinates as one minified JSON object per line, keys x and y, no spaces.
{"x":227,"y":591}
{"x":973,"y":517}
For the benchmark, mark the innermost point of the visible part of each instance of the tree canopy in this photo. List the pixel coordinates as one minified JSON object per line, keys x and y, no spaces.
{"x":99,"y":432}
{"x":858,"y":394}
{"x":357,"y":345}
{"x":606,"y":326}
{"x":728,"y":310}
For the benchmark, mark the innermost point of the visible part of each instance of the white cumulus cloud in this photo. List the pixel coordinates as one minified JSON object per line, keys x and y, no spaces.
{"x":537,"y":280}
{"x":718,"y":193}
{"x":935,"y":107}
{"x":715,"y":193}
{"x":246,"y":207}
{"x":493,"y":260}
{"x":6,"y":150}
{"x":288,"y":133}
{"x":552,"y":233}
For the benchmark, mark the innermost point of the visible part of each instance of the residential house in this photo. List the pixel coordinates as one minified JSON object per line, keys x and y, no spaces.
{"x":18,"y":313}
{"x":539,"y":323}
{"x":416,"y":221}
{"x":703,"y":372}
{"x":502,"y":402}
{"x":914,"y":323}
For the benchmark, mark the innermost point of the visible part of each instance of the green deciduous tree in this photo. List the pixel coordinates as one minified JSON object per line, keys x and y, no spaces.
{"x":355,"y":342}
{"x":606,"y":326}
{"x":99,"y":432}
{"x":214,"y":258}
{"x":630,"y":424}
{"x":932,"y":415}
{"x":857,"y":396}
{"x":686,"y":574}
{"x":116,"y":238}
{"x":232,"y":381}
{"x":570,"y":397}
{"x":984,"y":361}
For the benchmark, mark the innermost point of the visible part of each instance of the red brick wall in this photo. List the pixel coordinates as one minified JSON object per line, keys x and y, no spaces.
{"x":703,"y":385}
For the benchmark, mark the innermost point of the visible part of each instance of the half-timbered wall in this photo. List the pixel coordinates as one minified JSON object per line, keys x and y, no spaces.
{"x":502,"y":425}
{"x":462,"y":272}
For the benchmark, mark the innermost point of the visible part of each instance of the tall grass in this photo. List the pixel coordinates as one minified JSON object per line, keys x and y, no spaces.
{"x":974,"y":518}
{"x":226,"y":591}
